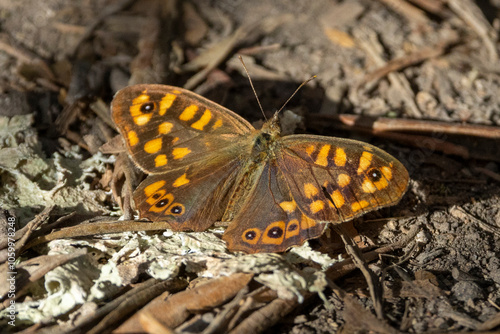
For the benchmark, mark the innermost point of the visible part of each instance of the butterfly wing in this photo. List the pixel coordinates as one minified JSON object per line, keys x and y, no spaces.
{"x":189,"y":145}
{"x":166,"y":128}
{"x":189,"y":200}
{"x":335,"y":179}
{"x":310,"y":181}
{"x":270,"y":221}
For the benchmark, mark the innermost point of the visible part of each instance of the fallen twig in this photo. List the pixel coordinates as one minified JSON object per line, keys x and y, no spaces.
{"x":391,"y":129}
{"x":398,"y":64}
{"x":83,"y":230}
{"x":374,"y":285}
{"x":384,"y":124}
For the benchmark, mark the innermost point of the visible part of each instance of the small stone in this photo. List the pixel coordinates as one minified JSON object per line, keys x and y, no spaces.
{"x":466,"y":290}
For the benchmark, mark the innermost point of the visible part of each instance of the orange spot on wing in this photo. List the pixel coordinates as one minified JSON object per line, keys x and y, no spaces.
{"x":384,"y":181}
{"x":180,"y":152}
{"x":153,"y":199}
{"x":165,"y":128}
{"x":251,"y":236}
{"x":162,"y":203}
{"x":152,"y":188}
{"x":204,"y":119}
{"x":381,"y":184}
{"x":316,"y":206}
{"x":340,"y":157}
{"x":180,"y":181}
{"x":387,"y":172}
{"x":368,"y":186}
{"x":310,"y":190}
{"x":176,"y":209}
{"x":161,"y":160}
{"x":338,"y":199}
{"x":166,"y":103}
{"x":364,"y":162}
{"x":153,"y":146}
{"x":310,"y":150}
{"x":288,"y":206}
{"x":188,"y":113}
{"x":132,"y":138}
{"x":306,"y":223}
{"x":356,"y":206}
{"x":217,"y":124}
{"x":135,"y":109}
{"x":142,"y":119}
{"x":322,"y":158}
{"x":343,"y":180}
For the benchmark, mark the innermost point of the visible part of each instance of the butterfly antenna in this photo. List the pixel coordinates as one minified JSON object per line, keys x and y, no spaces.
{"x":298,"y":88}
{"x":251,"y":85}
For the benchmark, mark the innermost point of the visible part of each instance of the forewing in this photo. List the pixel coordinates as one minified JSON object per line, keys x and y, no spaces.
{"x":167,"y":128}
{"x":270,"y":221}
{"x":335,"y":179}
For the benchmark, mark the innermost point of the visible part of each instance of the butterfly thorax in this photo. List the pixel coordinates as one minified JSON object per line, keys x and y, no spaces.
{"x":265,"y":140}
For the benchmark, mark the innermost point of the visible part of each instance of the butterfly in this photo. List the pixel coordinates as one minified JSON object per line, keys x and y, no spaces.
{"x":205,"y":164}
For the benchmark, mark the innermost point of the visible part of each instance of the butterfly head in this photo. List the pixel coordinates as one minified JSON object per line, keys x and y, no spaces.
{"x":272,"y":126}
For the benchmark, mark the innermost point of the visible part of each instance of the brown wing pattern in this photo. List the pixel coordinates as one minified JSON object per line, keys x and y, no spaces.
{"x":166,"y":127}
{"x":189,"y":200}
{"x":271,"y":220}
{"x":334,"y":179}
